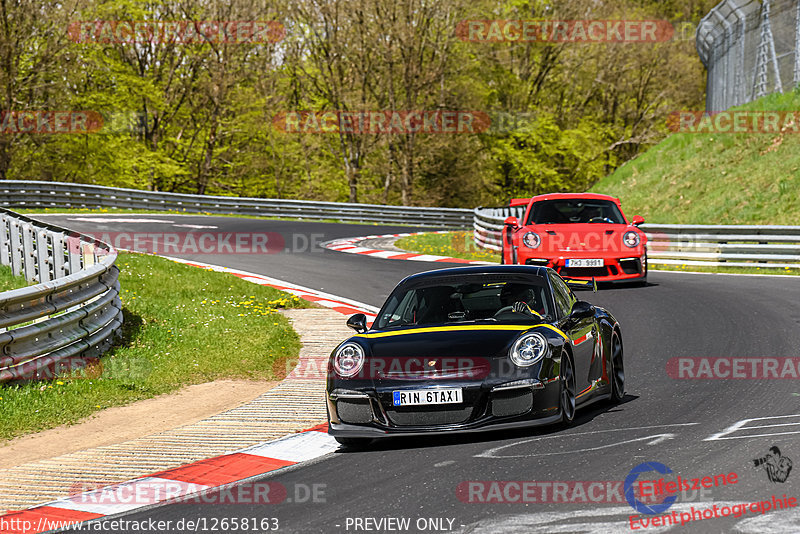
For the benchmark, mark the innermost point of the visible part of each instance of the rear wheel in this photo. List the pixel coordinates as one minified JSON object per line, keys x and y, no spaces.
{"x":617,"y":370}
{"x":567,"y":389}
{"x":353,"y":443}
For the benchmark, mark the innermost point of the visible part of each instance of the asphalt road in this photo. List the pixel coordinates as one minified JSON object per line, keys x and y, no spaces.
{"x":665,"y":420}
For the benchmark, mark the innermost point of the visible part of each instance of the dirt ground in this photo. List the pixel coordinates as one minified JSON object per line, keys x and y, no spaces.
{"x":151,"y":416}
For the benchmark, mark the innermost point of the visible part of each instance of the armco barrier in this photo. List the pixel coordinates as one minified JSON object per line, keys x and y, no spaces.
{"x":35,"y":195}
{"x":679,"y":244}
{"x":71,"y":315}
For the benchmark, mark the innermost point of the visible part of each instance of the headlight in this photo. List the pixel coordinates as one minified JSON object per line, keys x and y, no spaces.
{"x":529,"y":349}
{"x":349,"y":360}
{"x":531,"y":240}
{"x":631,"y":239}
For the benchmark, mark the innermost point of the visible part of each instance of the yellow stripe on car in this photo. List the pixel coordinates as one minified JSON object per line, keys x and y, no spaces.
{"x":500,"y":327}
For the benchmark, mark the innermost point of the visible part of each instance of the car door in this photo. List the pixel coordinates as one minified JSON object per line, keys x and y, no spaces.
{"x":580,"y":331}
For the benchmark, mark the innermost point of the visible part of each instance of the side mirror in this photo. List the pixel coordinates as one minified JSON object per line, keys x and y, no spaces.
{"x":512,"y":221}
{"x":358,"y":322}
{"x":637,"y":220}
{"x":581,"y":310}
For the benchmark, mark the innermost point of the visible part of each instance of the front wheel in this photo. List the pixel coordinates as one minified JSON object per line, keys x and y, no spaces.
{"x":353,"y":443}
{"x":617,"y":370}
{"x":567,"y":390}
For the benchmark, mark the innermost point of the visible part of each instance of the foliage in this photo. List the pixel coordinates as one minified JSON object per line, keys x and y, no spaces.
{"x":198,"y":117}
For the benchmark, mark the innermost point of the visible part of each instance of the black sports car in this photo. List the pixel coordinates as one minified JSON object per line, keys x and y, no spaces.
{"x":472,"y":349}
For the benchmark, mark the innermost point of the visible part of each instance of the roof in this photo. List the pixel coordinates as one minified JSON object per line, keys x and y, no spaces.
{"x":529,"y":270}
{"x":557,"y":196}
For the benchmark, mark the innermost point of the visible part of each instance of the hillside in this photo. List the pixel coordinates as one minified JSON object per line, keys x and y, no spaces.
{"x":693,"y":178}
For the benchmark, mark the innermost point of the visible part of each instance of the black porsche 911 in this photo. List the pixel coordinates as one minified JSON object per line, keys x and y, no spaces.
{"x":473,"y":349}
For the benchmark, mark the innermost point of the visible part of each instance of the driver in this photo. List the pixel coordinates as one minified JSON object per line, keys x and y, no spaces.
{"x":519,"y":297}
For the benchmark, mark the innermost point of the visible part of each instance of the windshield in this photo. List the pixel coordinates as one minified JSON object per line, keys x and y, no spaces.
{"x":576,"y":210}
{"x":468,"y":301}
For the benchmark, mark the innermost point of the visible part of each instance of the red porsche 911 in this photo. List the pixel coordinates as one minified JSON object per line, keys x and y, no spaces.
{"x":580,"y":235}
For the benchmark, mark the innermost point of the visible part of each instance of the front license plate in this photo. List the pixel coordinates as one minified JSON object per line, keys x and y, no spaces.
{"x":427,"y":396}
{"x":582,"y":262}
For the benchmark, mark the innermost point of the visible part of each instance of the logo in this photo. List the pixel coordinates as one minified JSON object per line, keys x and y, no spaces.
{"x":629,"y":485}
{"x":777,"y":467}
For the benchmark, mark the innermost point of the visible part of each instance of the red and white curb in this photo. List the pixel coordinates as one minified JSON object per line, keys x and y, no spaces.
{"x":200,"y":477}
{"x":351,"y":245}
{"x":336,"y":303}
{"x":177,"y":484}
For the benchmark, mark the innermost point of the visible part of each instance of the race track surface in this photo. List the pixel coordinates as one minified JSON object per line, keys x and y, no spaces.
{"x":679,"y":423}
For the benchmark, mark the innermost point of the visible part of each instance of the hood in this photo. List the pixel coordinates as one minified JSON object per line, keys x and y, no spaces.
{"x":594,"y":237}
{"x":439,"y":352}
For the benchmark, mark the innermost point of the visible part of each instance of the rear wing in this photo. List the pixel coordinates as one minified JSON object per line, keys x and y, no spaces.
{"x":518,"y":202}
{"x":582,"y":284}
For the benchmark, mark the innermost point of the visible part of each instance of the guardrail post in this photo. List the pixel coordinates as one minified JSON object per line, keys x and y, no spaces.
{"x":5,"y":241}
{"x":15,"y":248}
{"x":28,"y":253}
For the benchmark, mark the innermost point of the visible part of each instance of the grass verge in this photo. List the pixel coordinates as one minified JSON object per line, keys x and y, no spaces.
{"x":183,"y":325}
{"x":453,"y":244}
{"x":723,"y":178}
{"x":9,"y":281}
{"x":729,"y":270}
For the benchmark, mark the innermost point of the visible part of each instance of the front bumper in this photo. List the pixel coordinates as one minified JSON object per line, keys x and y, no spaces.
{"x":629,"y":268}
{"x":369,"y":412}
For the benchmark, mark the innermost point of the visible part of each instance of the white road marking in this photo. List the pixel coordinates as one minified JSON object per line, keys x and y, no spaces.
{"x":654,"y":440}
{"x":196,"y":226}
{"x":482,"y":455}
{"x":119,"y":219}
{"x":740,"y":425}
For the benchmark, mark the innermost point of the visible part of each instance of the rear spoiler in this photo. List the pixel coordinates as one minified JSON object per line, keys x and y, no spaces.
{"x":519,"y":202}
{"x":582,"y":284}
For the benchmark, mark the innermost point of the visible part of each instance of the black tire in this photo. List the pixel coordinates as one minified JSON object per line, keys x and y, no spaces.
{"x":616,"y":369}
{"x":644,"y":278}
{"x":353,"y":443}
{"x":567,"y":398}
{"x":503,"y":255}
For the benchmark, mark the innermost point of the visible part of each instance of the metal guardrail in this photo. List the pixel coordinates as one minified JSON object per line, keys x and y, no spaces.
{"x":679,"y":244}
{"x":71,"y":315}
{"x":36,"y":195}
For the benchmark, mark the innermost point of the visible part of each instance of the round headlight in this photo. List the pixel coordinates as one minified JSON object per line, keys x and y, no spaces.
{"x":529,"y":349}
{"x":349,"y":360}
{"x":531,"y":240}
{"x":631,"y":239}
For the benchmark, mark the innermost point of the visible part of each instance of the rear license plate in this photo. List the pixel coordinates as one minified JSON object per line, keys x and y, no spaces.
{"x":582,"y":262}
{"x":427,"y":396}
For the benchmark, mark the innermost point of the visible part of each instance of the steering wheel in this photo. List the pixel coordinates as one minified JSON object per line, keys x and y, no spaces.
{"x":510,"y":310}
{"x":601,"y":219}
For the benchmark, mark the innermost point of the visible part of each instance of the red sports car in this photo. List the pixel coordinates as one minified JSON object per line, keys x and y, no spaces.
{"x":580,"y":235}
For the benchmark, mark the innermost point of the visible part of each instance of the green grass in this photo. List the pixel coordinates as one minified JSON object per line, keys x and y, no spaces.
{"x":452,"y":244}
{"x":730,"y":270}
{"x":9,"y":281}
{"x":715,"y":179}
{"x":183,"y":325}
